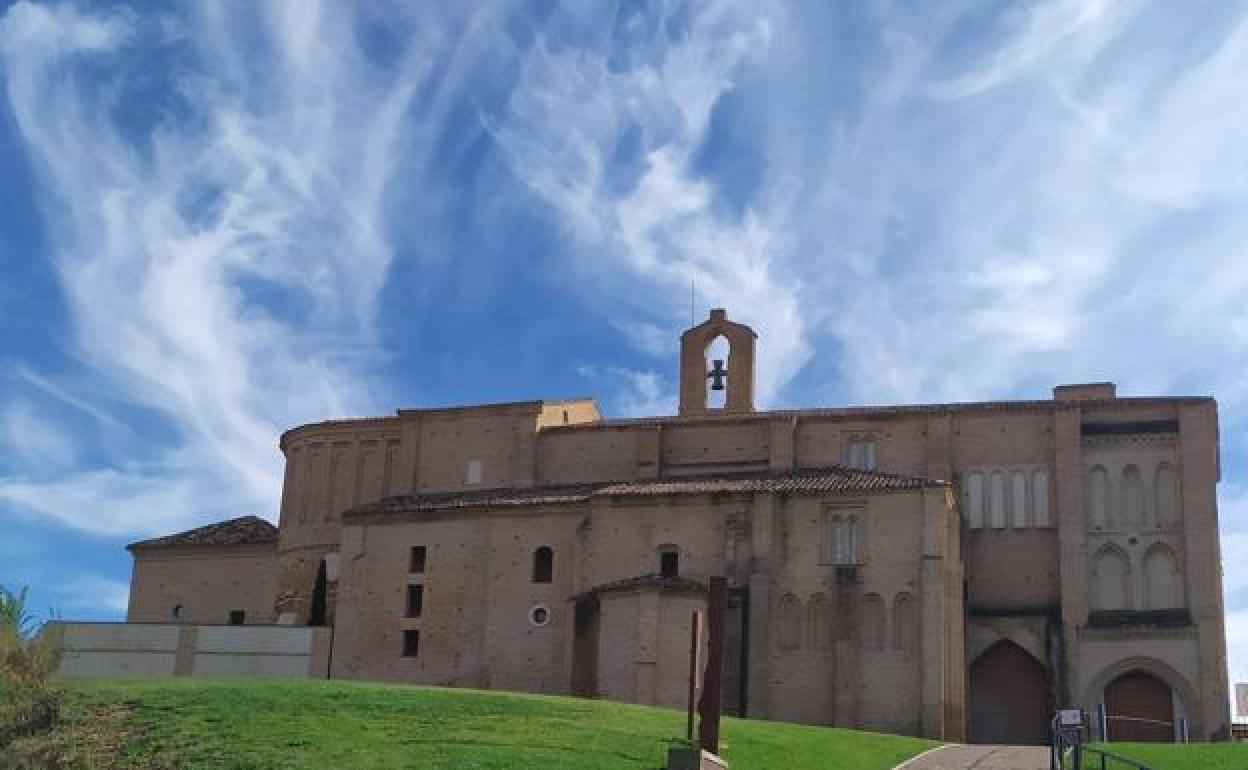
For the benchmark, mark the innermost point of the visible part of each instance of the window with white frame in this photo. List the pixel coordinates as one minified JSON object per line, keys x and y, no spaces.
{"x":841,"y":536}
{"x":860,"y":452}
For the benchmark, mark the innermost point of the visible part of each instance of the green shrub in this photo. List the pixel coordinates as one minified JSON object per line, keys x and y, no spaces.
{"x":29,"y":656}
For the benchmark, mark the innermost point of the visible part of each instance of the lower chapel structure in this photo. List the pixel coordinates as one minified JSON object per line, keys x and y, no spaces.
{"x":947,"y":570}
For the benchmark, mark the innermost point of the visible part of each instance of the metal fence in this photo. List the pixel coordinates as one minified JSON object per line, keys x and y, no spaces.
{"x":1109,"y":760}
{"x":1103,"y":720}
{"x":1068,"y":751}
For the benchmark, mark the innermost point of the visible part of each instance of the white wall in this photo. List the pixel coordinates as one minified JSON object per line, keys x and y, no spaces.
{"x":159,"y":649}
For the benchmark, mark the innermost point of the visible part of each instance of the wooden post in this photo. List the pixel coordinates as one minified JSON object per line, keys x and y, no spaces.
{"x":711,"y":705}
{"x":695,"y":645}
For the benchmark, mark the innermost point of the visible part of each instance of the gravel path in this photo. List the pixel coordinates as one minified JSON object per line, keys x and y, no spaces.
{"x":962,"y":757}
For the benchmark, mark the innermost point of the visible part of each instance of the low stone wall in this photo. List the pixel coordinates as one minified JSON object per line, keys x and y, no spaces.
{"x":174,"y":649}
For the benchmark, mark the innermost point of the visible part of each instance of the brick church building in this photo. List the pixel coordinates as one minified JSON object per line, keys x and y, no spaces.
{"x":947,"y":570}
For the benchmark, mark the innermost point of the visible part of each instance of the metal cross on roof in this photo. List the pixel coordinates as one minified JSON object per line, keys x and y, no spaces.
{"x":717,"y":374}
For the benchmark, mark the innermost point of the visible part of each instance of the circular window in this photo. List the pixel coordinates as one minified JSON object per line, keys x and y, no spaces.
{"x":539,"y":615}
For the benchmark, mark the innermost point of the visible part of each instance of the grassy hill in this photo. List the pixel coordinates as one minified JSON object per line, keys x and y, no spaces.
{"x":1178,"y":756}
{"x":262,"y":724}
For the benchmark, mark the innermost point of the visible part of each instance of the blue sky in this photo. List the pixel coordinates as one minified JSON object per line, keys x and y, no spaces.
{"x":221,"y":221}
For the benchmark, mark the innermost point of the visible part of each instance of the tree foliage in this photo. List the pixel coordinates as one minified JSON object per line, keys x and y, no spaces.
{"x":29,"y":656}
{"x":15,"y":617}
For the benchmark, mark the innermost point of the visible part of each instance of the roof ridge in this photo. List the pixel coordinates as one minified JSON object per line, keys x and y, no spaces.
{"x":834,"y":478}
{"x":249,"y":529}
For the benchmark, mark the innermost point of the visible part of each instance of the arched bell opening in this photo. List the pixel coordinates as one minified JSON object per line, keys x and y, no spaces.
{"x":703,"y":382}
{"x":718,"y":364}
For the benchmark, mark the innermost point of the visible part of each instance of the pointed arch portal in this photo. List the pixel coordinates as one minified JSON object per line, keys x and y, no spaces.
{"x":1010,"y":697}
{"x":1140,"y":708}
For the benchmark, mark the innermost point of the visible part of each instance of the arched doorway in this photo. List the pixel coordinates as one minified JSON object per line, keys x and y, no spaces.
{"x":316,"y":610}
{"x":1009,"y":697}
{"x":1140,"y":707}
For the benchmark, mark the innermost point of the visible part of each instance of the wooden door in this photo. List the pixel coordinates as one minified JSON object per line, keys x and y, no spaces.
{"x":1140,"y":708}
{"x":585,"y":648}
{"x":1009,"y":697}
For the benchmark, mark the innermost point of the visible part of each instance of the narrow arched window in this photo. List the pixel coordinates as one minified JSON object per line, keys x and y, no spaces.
{"x":1133,"y":498}
{"x":1040,"y":498}
{"x":543,"y":565}
{"x":996,"y":500}
{"x":824,"y":620}
{"x":975,"y":500}
{"x":873,"y":622}
{"x":790,"y":622}
{"x":1110,"y":579}
{"x":1098,"y":498}
{"x":1163,"y":583}
{"x":1018,"y":499}
{"x":1167,"y":505}
{"x":905,"y":623}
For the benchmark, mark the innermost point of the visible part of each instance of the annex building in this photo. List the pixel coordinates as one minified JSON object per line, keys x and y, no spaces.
{"x":947,"y":570}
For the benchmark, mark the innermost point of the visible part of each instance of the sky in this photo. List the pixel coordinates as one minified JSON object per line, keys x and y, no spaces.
{"x":220,"y":220}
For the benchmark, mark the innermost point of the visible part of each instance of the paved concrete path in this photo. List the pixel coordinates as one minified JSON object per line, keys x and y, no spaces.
{"x":961,"y":757}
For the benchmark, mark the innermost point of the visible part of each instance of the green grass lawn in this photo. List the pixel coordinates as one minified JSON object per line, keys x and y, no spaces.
{"x":255,"y":724}
{"x":1176,"y":756}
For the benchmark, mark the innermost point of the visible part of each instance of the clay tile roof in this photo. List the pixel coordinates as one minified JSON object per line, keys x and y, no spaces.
{"x":245,"y":530}
{"x":653,"y":579}
{"x":834,"y":480}
{"x":571,"y":493}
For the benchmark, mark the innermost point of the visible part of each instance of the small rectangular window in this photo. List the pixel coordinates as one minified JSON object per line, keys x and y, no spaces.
{"x":237,"y":617}
{"x":669,"y":564}
{"x":543,"y":565}
{"x":416,"y":563}
{"x":473,"y":474}
{"x":411,"y":643}
{"x":415,"y":601}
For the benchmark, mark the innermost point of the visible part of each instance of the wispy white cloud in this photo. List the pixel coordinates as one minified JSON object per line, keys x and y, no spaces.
{"x":91,"y":592}
{"x":650,"y":338}
{"x":1012,"y":227}
{"x":179,"y":235}
{"x":65,"y":395}
{"x":32,"y":439}
{"x":128,"y":499}
{"x":1069,"y":31}
{"x":649,"y":221}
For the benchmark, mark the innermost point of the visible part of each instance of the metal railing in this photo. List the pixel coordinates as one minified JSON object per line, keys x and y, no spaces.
{"x":1180,"y":729}
{"x":1068,"y":751}
{"x":1066,"y":739}
{"x":1108,"y":757}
